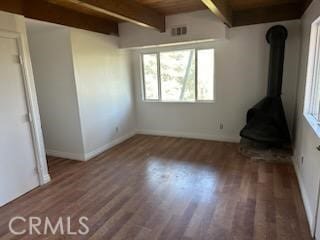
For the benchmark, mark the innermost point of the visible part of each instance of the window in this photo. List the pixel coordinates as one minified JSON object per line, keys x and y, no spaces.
{"x":312,"y":101}
{"x":179,"y":76}
{"x":205,"y":74}
{"x":150,"y":72}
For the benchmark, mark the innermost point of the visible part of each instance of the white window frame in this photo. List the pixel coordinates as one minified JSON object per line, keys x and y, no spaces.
{"x":312,"y":72}
{"x":157,"y":53}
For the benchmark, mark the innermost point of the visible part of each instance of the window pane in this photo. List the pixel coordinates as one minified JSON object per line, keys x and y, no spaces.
{"x":150,"y":71}
{"x":316,"y":97}
{"x":315,"y":101}
{"x":178,"y":75}
{"x":205,"y":74}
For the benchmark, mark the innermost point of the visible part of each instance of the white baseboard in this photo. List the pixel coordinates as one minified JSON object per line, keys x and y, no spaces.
{"x":305,"y":199}
{"x":90,"y":155}
{"x":104,"y":148}
{"x":46,"y":179}
{"x":221,"y":138}
{"x":96,"y":152}
{"x":72,"y":156}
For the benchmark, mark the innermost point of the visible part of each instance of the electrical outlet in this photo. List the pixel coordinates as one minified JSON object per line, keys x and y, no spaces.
{"x":302,"y":160}
{"x":221,"y":126}
{"x":117,"y":129}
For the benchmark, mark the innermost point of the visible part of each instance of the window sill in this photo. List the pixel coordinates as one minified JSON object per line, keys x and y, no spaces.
{"x":179,"y":102}
{"x":313,"y":123}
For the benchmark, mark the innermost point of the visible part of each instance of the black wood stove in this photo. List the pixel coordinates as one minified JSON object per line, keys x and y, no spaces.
{"x":266,"y":121}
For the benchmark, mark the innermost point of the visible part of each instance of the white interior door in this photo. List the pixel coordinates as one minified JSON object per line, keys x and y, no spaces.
{"x":18,"y":173}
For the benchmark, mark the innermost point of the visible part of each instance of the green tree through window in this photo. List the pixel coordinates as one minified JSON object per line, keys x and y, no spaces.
{"x":177,"y":76}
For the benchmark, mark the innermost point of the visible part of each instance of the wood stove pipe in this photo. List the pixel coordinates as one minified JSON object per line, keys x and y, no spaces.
{"x":276,"y":37}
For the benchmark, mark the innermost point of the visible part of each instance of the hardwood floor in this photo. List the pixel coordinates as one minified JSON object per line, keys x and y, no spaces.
{"x":168,"y":188}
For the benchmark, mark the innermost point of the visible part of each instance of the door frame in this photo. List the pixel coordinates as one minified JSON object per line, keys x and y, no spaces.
{"x":32,"y":103}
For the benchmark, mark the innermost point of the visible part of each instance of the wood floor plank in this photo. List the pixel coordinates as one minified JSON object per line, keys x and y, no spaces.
{"x":151,"y":188}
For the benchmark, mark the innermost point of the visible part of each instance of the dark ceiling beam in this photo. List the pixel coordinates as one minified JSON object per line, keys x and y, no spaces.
{"x":267,"y":14}
{"x":13,"y":6}
{"x":126,"y":10}
{"x":305,"y":5}
{"x":221,"y":9}
{"x":40,"y":10}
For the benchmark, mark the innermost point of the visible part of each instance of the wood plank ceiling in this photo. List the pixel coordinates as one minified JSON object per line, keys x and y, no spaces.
{"x":168,"y":7}
{"x":249,"y":4}
{"x":260,"y":11}
{"x":104,"y":15}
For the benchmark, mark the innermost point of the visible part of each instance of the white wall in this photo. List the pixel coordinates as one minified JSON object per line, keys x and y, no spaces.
{"x":51,"y":56}
{"x":104,"y":87}
{"x":201,"y":25}
{"x":240,"y":82}
{"x":84,"y":89}
{"x":306,"y":140}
